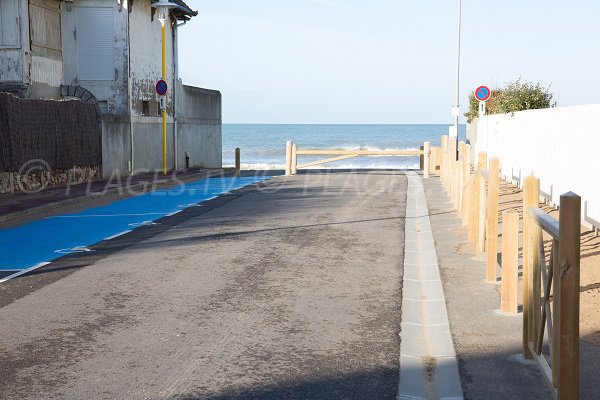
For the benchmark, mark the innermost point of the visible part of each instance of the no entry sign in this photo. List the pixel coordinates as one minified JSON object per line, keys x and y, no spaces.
{"x":482,"y":93}
{"x":161,"y":87}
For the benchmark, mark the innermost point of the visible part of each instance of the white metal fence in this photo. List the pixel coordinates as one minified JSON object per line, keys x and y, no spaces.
{"x":560,"y":146}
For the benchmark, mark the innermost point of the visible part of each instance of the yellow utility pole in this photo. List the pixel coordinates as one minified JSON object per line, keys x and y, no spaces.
{"x":164,"y":108}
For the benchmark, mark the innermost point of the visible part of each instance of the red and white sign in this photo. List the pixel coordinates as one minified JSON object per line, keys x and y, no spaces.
{"x":161,"y":87}
{"x":482,"y":93}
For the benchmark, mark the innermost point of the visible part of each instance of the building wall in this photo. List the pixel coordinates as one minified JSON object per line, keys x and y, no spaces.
{"x":557,"y":145}
{"x":146,"y":61}
{"x":198,"y":135}
{"x":116,"y":146}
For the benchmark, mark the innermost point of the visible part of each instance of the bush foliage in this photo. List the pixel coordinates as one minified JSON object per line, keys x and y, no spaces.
{"x":515,"y":96}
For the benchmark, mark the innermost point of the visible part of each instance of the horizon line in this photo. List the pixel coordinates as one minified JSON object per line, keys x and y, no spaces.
{"x":337,"y":123}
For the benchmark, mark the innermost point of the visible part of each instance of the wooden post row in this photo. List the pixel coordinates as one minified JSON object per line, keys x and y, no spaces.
{"x":492,"y":218}
{"x":510,"y":262}
{"x":531,"y":196}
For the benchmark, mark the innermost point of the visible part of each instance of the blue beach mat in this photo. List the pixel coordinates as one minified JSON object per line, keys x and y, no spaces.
{"x":26,"y":247}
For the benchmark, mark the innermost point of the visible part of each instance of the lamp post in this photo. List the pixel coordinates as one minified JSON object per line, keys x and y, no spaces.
{"x":456,"y":108}
{"x":163,"y":7}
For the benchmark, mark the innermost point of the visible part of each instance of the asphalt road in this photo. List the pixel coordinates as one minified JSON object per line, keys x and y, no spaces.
{"x":290,"y":291}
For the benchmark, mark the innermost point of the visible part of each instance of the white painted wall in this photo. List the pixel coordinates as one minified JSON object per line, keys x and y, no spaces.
{"x":561,"y":146}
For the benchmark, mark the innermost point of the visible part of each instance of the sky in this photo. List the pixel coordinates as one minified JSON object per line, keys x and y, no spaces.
{"x":384,"y":61}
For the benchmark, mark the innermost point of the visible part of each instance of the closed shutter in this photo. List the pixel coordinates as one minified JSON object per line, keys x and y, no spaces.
{"x":9,"y":24}
{"x":95,"y":44}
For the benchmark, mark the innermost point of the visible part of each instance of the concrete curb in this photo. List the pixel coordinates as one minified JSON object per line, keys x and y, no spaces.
{"x":428,"y":365}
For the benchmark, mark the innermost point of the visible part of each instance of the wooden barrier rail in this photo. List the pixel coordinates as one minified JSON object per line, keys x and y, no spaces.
{"x":292,"y":153}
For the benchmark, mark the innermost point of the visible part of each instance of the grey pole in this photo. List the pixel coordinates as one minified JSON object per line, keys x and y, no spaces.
{"x":456,"y":104}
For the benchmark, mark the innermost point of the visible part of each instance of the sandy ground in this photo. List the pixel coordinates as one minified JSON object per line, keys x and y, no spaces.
{"x":511,"y":197}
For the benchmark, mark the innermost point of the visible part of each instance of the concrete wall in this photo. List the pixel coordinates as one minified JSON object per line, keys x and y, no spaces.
{"x":148,"y":144}
{"x":199,"y":134}
{"x":116,"y":146}
{"x":199,"y":125}
{"x":558,"y":145}
{"x":472,"y":138}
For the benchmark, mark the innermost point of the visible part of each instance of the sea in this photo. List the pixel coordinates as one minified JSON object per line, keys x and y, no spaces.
{"x":263,"y":146}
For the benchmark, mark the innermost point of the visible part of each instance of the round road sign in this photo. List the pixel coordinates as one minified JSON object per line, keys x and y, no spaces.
{"x":482,"y":93}
{"x":161,"y":87}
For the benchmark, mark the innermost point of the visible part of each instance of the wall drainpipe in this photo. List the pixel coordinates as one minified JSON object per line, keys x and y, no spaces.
{"x":175,"y":82}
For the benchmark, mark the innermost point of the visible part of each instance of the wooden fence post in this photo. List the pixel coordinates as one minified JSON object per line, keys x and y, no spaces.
{"x":238,"y":165}
{"x":531,"y":196}
{"x":510,"y":262}
{"x":492,"y":218}
{"x":459,"y":177}
{"x":567,"y":296}
{"x":467,"y":199}
{"x":435,"y":156}
{"x":465,"y":172}
{"x":426,"y":159}
{"x":294,"y":167}
{"x":288,"y":157}
{"x":438,"y":159}
{"x":444,"y":165}
{"x":451,"y":168}
{"x":474,"y":208}
{"x":555,"y":349}
{"x":481,"y":161}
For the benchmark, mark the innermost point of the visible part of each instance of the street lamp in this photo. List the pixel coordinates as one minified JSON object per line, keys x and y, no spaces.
{"x":456,"y":108}
{"x":163,"y":7}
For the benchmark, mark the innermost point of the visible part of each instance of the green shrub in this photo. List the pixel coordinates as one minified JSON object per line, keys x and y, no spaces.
{"x":515,"y":96}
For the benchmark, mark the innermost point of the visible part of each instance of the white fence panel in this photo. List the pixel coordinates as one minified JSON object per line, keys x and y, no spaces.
{"x":561,"y":146}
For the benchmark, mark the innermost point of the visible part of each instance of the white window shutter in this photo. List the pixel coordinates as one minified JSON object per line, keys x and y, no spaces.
{"x":95,"y":44}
